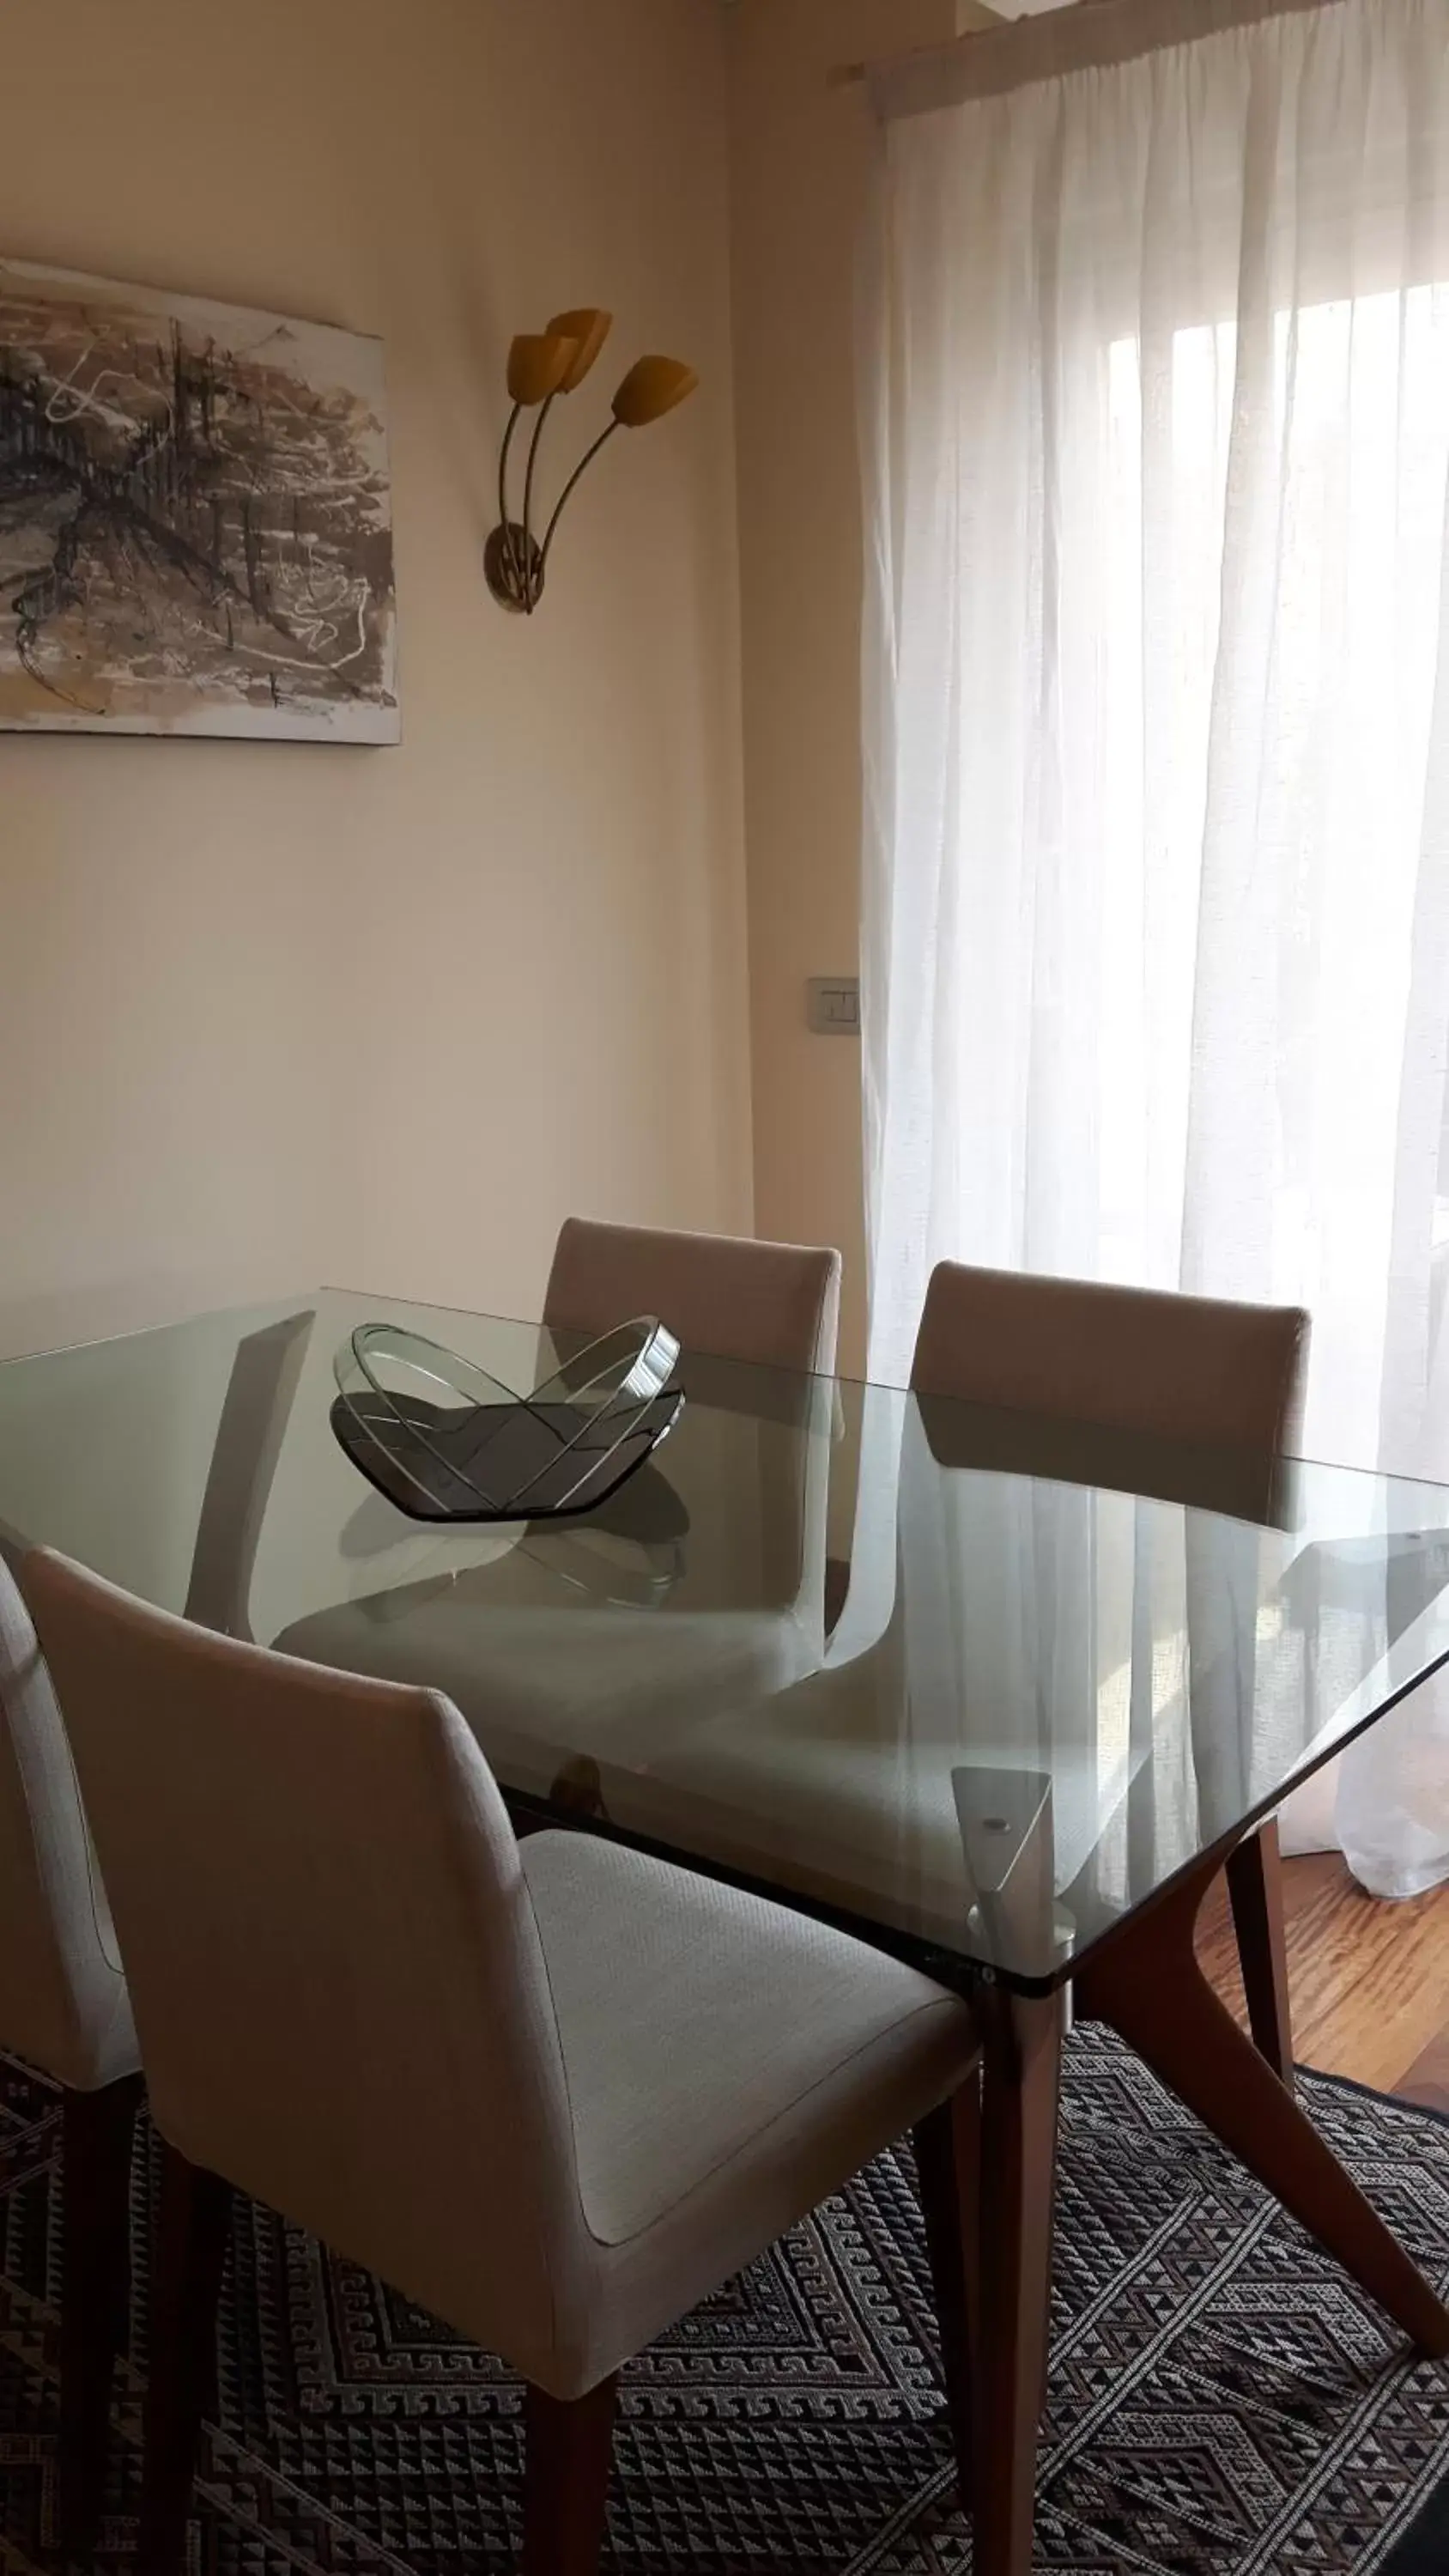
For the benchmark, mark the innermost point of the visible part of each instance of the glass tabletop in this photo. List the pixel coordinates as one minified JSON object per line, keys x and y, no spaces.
{"x":1068,"y":1663}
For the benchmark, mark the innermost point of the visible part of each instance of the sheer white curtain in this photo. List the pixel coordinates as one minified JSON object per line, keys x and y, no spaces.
{"x":1156,"y":937}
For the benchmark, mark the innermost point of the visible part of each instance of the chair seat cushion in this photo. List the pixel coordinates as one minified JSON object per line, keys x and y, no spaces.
{"x":702,"y":2029}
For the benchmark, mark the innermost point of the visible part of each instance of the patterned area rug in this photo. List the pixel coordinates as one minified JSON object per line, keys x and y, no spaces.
{"x":1222,"y":2403}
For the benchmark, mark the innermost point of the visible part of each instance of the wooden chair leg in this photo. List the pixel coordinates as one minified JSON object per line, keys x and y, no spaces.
{"x":1020,"y":2082}
{"x":568,"y":2445}
{"x":1255,"y":1888}
{"x":191,"y":2240}
{"x":96,"y":2132}
{"x":948,"y":2167}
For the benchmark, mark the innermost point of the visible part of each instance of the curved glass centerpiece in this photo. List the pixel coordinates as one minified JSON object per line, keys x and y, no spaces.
{"x":446,"y":1441}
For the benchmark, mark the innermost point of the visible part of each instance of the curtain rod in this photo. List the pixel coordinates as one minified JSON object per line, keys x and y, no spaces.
{"x":851,"y":75}
{"x":1083,"y":35}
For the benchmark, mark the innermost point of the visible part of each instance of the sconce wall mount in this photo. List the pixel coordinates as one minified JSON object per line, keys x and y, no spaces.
{"x":541,"y":366}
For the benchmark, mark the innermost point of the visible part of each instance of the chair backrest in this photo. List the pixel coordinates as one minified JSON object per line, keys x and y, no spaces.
{"x":254,"y":1416}
{"x":724,"y":1296}
{"x":770,"y":1312}
{"x":63,"y":2000}
{"x":336,"y":1972}
{"x":1200,"y":1369}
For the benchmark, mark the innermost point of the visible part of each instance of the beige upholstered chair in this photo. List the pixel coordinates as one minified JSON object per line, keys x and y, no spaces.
{"x":776,"y":1305}
{"x":256,"y":1410}
{"x":1224,"y":1378}
{"x":1196,"y":1369}
{"x":510,"y":1639}
{"x":623,"y":2081}
{"x":64,"y":2007}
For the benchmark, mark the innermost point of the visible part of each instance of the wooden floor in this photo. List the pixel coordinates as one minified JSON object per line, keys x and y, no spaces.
{"x":1370,"y":1981}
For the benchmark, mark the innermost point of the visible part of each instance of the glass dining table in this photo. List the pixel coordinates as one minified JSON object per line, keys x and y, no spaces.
{"x":1070,"y":1674}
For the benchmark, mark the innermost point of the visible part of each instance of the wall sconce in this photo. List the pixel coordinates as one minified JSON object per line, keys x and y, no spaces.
{"x":541,"y":366}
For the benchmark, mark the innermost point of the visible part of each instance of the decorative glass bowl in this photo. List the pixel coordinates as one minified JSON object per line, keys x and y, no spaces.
{"x":445,"y":1441}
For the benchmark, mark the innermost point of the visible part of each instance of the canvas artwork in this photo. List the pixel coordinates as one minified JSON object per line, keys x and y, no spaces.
{"x":195,"y":518}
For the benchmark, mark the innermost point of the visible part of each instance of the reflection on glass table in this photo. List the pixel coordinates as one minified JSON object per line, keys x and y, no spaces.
{"x":1075,"y":1669}
{"x":1057,"y":1683}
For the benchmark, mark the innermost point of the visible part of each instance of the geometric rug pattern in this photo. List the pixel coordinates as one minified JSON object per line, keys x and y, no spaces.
{"x":1223,"y":2402}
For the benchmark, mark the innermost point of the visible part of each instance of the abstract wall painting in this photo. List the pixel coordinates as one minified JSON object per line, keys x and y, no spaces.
{"x":195,"y":518}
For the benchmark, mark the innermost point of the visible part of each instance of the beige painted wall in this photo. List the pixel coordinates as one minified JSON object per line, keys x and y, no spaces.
{"x":801,"y":157}
{"x":272,"y":1014}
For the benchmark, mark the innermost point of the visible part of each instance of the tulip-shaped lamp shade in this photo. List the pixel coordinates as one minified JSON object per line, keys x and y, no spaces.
{"x":651,"y":388}
{"x":541,"y":366}
{"x":588,"y":328}
{"x":538,"y":362}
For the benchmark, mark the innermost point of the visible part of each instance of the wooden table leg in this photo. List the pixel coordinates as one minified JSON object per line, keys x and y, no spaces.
{"x":1255,"y":1887}
{"x":1020,"y":2083}
{"x":1148,"y":1985}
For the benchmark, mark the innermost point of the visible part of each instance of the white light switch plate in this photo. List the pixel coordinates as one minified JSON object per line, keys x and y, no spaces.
{"x":833,"y":1005}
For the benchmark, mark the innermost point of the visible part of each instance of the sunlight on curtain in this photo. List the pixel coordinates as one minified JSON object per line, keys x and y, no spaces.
{"x":1156,"y":938}
{"x":1358,"y":572}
